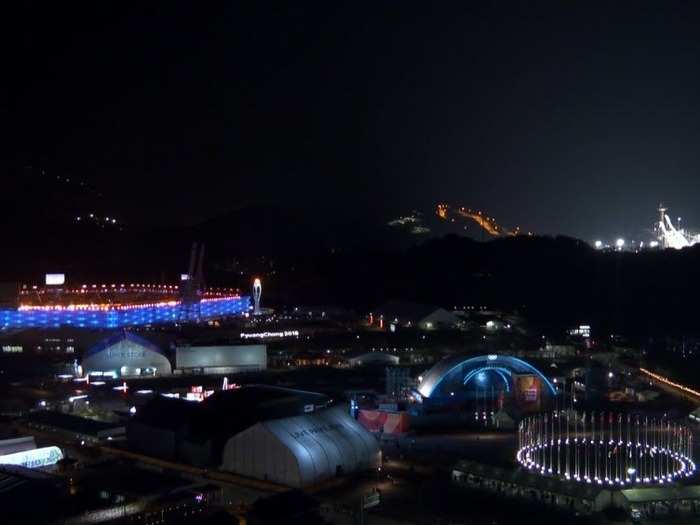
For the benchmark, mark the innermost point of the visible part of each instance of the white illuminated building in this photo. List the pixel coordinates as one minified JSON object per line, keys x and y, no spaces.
{"x":672,"y":237}
{"x":34,"y":458}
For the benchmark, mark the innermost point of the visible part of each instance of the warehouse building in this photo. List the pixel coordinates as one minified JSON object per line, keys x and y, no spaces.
{"x":222,"y":359}
{"x":31,"y":496}
{"x":581,"y":498}
{"x":660,"y":502}
{"x":303,"y":450}
{"x":74,"y":428}
{"x":195,"y":433}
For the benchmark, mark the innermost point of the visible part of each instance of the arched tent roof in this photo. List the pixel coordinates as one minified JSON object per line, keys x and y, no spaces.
{"x":126,"y":354}
{"x":118,"y":337}
{"x":441,"y":370}
{"x":303,"y":450}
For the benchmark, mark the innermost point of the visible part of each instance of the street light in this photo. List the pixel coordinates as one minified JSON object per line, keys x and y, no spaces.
{"x":598,"y":245}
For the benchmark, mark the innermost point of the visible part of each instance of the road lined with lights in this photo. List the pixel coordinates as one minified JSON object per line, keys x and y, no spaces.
{"x":668,"y":382}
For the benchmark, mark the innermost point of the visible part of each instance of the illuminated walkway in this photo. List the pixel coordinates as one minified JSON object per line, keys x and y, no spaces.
{"x":666,"y":381}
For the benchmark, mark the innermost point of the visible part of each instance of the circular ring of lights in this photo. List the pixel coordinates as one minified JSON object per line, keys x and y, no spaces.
{"x":605,"y":448}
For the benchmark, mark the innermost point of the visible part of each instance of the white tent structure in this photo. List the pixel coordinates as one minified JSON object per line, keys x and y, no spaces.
{"x":302,"y":450}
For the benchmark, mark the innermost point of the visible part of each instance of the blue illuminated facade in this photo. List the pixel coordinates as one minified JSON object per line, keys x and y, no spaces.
{"x":440,"y":381}
{"x":136,"y":316}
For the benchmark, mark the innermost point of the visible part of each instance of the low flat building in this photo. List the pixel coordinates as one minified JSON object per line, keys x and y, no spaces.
{"x":74,"y":427}
{"x":519,"y":483}
{"x":31,"y":496}
{"x":657,"y":502}
{"x":195,"y":433}
{"x":19,"y":444}
{"x":220,"y":359}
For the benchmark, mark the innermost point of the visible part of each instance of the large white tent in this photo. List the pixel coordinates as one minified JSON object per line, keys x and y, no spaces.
{"x":126,"y":354}
{"x":302,"y":450}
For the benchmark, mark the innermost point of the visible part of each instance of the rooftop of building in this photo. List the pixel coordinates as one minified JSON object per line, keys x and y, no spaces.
{"x":226,"y":413}
{"x":69,"y":422}
{"x":668,"y":493}
{"x":525,"y":478}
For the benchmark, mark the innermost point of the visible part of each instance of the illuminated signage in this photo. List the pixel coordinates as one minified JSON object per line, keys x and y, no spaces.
{"x":323,"y":429}
{"x":125,"y":353}
{"x":530,"y":394}
{"x":270,"y":335}
{"x":12,"y":349}
{"x":55,"y":279}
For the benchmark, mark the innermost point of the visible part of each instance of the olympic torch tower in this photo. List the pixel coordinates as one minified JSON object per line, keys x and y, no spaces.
{"x":257,"y":292}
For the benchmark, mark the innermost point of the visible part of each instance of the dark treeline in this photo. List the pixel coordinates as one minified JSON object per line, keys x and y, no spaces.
{"x":553,"y":281}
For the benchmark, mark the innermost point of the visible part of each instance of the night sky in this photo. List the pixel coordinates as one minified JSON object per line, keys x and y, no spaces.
{"x":569,"y":120}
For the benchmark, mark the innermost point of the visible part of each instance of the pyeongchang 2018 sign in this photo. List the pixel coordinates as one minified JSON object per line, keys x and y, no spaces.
{"x":270,"y":335}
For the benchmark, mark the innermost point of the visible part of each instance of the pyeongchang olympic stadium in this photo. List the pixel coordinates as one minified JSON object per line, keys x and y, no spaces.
{"x":118,"y":306}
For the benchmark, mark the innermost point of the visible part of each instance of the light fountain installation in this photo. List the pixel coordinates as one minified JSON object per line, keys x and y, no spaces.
{"x":605,"y":448}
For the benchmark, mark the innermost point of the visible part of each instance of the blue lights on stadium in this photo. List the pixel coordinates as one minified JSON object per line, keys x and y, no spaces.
{"x":117,"y":318}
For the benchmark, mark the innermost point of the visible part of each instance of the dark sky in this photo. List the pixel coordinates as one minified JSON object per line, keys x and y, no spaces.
{"x":574,"y":120}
